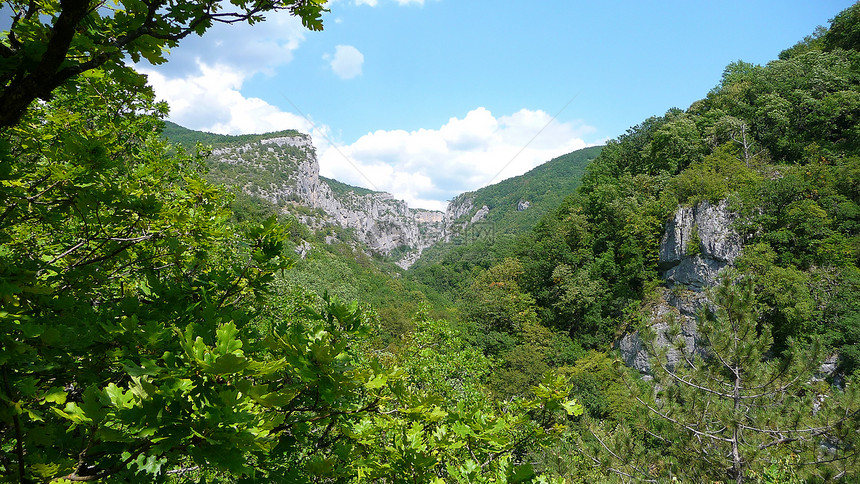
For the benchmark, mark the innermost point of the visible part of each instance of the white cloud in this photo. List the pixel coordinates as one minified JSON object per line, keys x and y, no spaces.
{"x":346,"y":61}
{"x":252,"y":49}
{"x":426,"y":167}
{"x":211,"y":100}
{"x":203,"y":77}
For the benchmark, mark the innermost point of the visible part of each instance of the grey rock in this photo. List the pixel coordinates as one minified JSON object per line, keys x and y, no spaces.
{"x":672,"y":307}
{"x":718,"y":245}
{"x":481,"y":214}
{"x":303,"y":249}
{"x":523,"y":205}
{"x":378,"y":220}
{"x":828,"y":369}
{"x":688,"y":271}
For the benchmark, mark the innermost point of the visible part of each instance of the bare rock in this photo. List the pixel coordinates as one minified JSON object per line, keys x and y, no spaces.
{"x":698,"y":243}
{"x":378,"y":220}
{"x":481,"y":214}
{"x":672,"y":306}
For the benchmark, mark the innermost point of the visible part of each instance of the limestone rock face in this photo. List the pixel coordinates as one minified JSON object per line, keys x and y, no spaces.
{"x":461,"y":205}
{"x":671,"y":306}
{"x":481,"y":214}
{"x":698,"y":243}
{"x":384,"y":224}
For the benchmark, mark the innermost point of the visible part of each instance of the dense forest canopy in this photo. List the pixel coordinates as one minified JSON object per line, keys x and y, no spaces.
{"x":157,"y":325}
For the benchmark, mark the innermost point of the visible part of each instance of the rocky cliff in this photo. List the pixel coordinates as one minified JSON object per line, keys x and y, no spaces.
{"x":697,"y":244}
{"x":284,"y":170}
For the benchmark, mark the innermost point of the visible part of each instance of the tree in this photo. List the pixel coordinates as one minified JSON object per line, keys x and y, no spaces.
{"x":445,"y":427}
{"x":844,"y":32}
{"x":140,"y":337}
{"x":738,"y":407}
{"x":49,"y":42}
{"x":130,"y":310}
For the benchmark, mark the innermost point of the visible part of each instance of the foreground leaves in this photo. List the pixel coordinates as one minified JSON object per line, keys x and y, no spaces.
{"x":140,"y":339}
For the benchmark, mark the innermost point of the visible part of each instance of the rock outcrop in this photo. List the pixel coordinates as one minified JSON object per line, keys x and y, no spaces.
{"x":284,"y":170}
{"x":698,"y":243}
{"x":481,"y":214}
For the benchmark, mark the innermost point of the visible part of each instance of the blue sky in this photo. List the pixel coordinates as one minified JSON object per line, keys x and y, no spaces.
{"x":427,"y":99}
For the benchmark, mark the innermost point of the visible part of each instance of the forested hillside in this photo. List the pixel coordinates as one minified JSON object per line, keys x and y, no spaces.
{"x":513,"y":207}
{"x":157,"y":324}
{"x":776,"y":147}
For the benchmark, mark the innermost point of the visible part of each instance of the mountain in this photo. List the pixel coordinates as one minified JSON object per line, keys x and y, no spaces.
{"x":515,"y":205}
{"x":510,"y":207}
{"x":282,"y":169}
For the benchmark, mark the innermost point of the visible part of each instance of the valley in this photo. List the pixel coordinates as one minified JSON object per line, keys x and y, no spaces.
{"x":681,"y":304}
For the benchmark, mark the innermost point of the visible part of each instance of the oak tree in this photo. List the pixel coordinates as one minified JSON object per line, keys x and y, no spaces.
{"x":50,"y":42}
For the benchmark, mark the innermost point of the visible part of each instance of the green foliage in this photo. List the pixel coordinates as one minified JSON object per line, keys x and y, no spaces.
{"x":181,"y":358}
{"x":500,"y":319}
{"x":149,"y":324}
{"x":732,"y":409}
{"x":777,"y":141}
{"x":674,"y":145}
{"x":694,"y":245}
{"x":108,"y":238}
{"x":351,"y":274}
{"x":544,"y":187}
{"x":340,"y":189}
{"x":599,"y":387}
{"x":714,"y":178}
{"x":794,"y":102}
{"x":49,"y":43}
{"x":587,"y":261}
{"x":844,"y":31}
{"x":190,"y":139}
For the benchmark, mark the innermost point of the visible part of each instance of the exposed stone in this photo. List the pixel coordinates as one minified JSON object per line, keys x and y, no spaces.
{"x":671,"y":306}
{"x":303,"y":249}
{"x":523,"y":205}
{"x":481,"y":214}
{"x":410,"y":258}
{"x":688,"y":270}
{"x":709,"y":227}
{"x":829,"y":369}
{"x":378,"y":220}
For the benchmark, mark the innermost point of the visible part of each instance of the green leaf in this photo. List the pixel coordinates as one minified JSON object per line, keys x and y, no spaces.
{"x":462,"y":430}
{"x":119,"y":398}
{"x":572,"y":408}
{"x":55,"y":395}
{"x":522,"y":473}
{"x":225,"y":338}
{"x":227,"y":364}
{"x":377,"y":381}
{"x":150,"y":464}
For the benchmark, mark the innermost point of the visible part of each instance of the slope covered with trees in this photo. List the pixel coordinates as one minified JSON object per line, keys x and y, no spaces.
{"x":777,"y":144}
{"x":515,"y":207}
{"x":157,"y":328}
{"x":144,"y":336}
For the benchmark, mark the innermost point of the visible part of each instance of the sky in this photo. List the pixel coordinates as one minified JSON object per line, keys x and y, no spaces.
{"x":426,"y":99}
